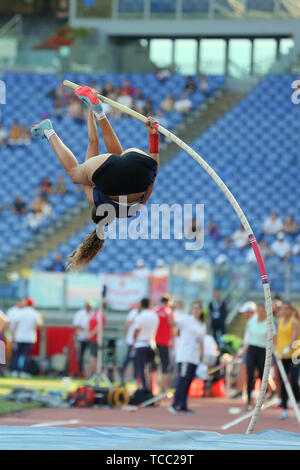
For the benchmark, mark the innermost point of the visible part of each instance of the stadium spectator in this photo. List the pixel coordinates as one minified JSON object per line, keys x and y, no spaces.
{"x":43,"y":207}
{"x":203,"y":86}
{"x":248,"y":310}
{"x":162,"y":75}
{"x":239,"y":239}
{"x":272,"y":224}
{"x":167,"y":104}
{"x":45,"y":186}
{"x":81,"y":323}
{"x":25,"y":321}
{"x":189,"y":353}
{"x":141,"y":270}
{"x":75,"y":110}
{"x":217,"y":315}
{"x":34,"y":220}
{"x":148,"y":108}
{"x":290,"y":227}
{"x":62,"y":12}
{"x":19,"y":206}
{"x":296,"y":248}
{"x":214,"y":232}
{"x":14,"y":133}
{"x":125,"y":99}
{"x":108,"y":89}
{"x":264,"y":249}
{"x":161,"y":269}
{"x":163,"y":339}
{"x":58,"y":107}
{"x":129,"y":330}
{"x":288,"y":332}
{"x":3,"y":136}
{"x":190,"y":85}
{"x":183,"y":104}
{"x":127,"y":88}
{"x":139,"y":102}
{"x":57,"y":265}
{"x":145,"y":326}
{"x":25,"y":136}
{"x":60,"y":188}
{"x":161,"y":119}
{"x":93,"y":337}
{"x":281,"y":247}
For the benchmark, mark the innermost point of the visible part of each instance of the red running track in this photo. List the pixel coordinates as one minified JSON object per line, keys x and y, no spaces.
{"x":211,"y":415}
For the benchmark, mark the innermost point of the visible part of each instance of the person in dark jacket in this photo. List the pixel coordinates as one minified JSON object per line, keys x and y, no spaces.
{"x":217,"y":315}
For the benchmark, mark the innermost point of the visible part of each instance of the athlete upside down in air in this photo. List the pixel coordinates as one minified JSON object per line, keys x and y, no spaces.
{"x":106,"y":178}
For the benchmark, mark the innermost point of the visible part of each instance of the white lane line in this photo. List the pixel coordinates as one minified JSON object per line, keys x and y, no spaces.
{"x":56,"y":423}
{"x":248,"y":415}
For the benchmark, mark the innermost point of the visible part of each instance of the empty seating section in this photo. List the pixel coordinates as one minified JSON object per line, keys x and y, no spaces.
{"x":255,"y":150}
{"x":23,"y":167}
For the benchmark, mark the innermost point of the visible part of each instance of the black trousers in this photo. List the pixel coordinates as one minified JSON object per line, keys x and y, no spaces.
{"x":218,"y":328}
{"x":19,"y":360}
{"x":186,"y":373}
{"x":255,"y":360}
{"x":82,"y":347}
{"x":130,"y":356}
{"x":292,"y":371}
{"x":143,"y":356}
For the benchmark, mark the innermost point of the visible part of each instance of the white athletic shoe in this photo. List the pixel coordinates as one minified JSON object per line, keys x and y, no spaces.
{"x":173,"y":410}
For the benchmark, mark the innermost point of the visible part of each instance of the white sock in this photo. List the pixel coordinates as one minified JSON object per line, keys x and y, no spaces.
{"x":99,"y":116}
{"x":48,"y":133}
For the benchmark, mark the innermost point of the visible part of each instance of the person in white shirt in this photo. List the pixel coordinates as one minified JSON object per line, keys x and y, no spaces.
{"x":183,"y":104}
{"x":272,"y":225}
{"x":248,"y":310}
{"x":26,"y":322}
{"x":281,"y":247}
{"x":239,"y":238}
{"x":145,"y":326}
{"x":129,"y":330}
{"x":12,"y":314}
{"x":296,"y":248}
{"x":141,"y":270}
{"x":80,"y":322}
{"x":189,"y":353}
{"x":264,"y":249}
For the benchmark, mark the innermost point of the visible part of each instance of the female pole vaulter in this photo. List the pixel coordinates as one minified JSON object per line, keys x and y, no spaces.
{"x":109,"y":178}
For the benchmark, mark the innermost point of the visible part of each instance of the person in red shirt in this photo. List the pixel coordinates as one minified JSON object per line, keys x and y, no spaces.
{"x":164,"y":337}
{"x":95,"y":338}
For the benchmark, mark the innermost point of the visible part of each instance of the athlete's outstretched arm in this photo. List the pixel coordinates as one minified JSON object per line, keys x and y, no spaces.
{"x":153,"y":151}
{"x":151,"y":126}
